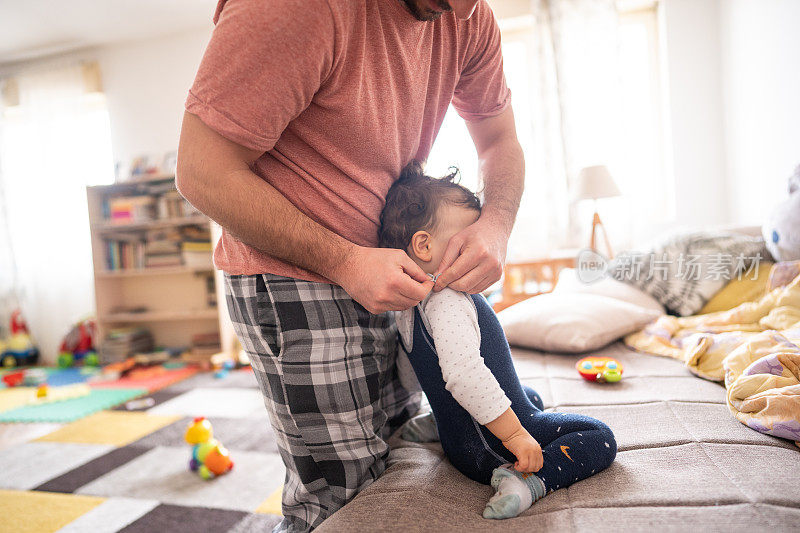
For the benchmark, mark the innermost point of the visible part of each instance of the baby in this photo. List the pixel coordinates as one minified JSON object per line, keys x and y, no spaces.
{"x":491,"y":427}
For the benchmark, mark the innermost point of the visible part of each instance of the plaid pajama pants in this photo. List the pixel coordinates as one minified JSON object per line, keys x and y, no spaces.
{"x":326,"y":368}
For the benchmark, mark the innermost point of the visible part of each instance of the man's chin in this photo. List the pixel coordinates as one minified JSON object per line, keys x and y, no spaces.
{"x":430,"y":16}
{"x":423,"y":14}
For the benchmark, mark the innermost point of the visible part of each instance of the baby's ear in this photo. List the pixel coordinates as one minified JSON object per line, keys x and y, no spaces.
{"x":421,"y":246}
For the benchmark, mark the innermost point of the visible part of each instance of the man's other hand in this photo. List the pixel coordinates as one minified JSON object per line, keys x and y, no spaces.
{"x":474,"y":258}
{"x":383,"y":279}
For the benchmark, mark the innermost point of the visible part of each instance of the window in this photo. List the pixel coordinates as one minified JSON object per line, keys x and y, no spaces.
{"x":626,"y":135}
{"x":639,"y":164}
{"x":453,"y":146}
{"x":55,"y":140}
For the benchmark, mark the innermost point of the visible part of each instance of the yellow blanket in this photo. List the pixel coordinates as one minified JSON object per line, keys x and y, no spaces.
{"x":753,"y":348}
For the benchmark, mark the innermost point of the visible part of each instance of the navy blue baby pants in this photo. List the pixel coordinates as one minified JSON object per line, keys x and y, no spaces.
{"x":574,"y":446}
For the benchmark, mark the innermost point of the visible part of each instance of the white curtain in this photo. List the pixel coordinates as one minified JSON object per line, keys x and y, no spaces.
{"x":573,"y":82}
{"x":585,"y":91}
{"x":594,"y":100}
{"x":54,"y":143}
{"x":8,"y":269}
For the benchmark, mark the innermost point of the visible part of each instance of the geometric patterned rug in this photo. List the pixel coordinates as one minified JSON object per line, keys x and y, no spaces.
{"x":127,"y":469}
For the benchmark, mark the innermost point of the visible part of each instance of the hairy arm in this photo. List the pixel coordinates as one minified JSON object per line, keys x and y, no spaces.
{"x":474,"y":257}
{"x":214,"y":175}
{"x":502,"y":168}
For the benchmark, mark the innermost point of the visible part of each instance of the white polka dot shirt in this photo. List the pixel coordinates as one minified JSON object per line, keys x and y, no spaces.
{"x":452,"y":321}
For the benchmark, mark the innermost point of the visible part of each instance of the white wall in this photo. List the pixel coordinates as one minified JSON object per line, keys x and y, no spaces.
{"x":690,"y":39}
{"x":761,"y":86}
{"x":146,"y":84}
{"x":733,"y":106}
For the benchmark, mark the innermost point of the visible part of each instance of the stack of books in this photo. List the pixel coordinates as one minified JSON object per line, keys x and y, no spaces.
{"x":131,"y":209}
{"x":163,"y":248}
{"x":170,"y":247}
{"x":203,"y":346}
{"x":196,"y":254}
{"x":171,"y":205}
{"x":205,"y":343}
{"x":125,"y":251}
{"x":181,"y":244}
{"x":154,"y":201}
{"x":122,"y":343}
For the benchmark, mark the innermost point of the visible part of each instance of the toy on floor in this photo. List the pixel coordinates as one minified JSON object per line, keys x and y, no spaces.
{"x":18,"y":349}
{"x":34,"y":377}
{"x":13,"y":379}
{"x":119,"y":369}
{"x":47,"y":394}
{"x":30,"y":377}
{"x":79,"y":345}
{"x":222,"y":372}
{"x":141,"y":403}
{"x":782,"y":229}
{"x":600,"y":369}
{"x":209,"y":457}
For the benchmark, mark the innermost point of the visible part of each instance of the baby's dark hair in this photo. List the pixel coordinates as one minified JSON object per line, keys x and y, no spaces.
{"x":412,"y":202}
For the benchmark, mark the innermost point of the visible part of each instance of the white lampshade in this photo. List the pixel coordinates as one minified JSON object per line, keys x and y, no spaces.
{"x":593,"y":183}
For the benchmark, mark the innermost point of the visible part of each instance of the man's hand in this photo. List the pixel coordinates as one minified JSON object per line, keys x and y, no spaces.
{"x":527,"y":451}
{"x":474,"y":257}
{"x":382,"y":279}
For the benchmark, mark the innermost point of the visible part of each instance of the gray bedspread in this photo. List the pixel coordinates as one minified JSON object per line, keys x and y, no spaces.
{"x":684,"y":463}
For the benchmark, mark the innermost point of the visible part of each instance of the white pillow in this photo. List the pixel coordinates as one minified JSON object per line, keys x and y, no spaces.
{"x":607,"y":286}
{"x":571,"y":322}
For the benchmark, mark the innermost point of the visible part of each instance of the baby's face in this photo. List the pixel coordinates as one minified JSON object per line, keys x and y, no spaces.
{"x":427,"y":248}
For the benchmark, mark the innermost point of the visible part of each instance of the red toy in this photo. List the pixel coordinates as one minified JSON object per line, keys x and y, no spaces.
{"x":18,"y":324}
{"x":79,"y":345}
{"x":12,"y":379}
{"x":600,"y":369}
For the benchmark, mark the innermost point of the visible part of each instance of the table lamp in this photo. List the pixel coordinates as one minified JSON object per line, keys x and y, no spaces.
{"x":594,"y":183}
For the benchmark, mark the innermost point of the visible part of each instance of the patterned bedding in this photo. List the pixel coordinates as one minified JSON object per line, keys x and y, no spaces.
{"x":684,"y":464}
{"x":753,"y":348}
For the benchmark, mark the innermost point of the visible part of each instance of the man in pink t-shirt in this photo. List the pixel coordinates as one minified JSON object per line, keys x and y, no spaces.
{"x":302,"y":114}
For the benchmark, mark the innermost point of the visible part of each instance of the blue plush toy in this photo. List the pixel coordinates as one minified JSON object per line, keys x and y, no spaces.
{"x":782,"y":230}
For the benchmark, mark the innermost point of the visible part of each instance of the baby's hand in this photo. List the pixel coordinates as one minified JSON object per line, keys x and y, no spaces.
{"x":527,"y":451}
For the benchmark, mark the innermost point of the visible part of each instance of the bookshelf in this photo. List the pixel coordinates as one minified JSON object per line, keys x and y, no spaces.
{"x":152,"y":263}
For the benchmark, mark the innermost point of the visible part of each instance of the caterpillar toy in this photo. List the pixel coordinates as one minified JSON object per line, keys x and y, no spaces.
{"x":209,"y":457}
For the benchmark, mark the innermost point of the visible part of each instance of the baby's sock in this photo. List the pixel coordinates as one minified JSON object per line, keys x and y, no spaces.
{"x":421,"y":428}
{"x":514,"y":492}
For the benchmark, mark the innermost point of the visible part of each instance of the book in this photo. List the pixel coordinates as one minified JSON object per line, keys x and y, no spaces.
{"x":125,"y":253}
{"x":121,"y":343}
{"x":130,"y":209}
{"x":197,"y":259}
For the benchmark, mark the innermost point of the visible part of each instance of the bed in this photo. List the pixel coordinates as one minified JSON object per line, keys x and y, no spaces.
{"x":684,"y":463}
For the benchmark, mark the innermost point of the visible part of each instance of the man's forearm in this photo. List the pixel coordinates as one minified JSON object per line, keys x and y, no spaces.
{"x":502,"y":170}
{"x":474,"y":257}
{"x":214,"y":175}
{"x":259,"y":215}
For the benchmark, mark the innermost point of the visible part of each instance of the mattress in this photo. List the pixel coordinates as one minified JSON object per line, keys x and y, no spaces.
{"x":684,"y":463}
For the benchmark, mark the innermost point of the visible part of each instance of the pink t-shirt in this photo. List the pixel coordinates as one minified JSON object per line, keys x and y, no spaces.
{"x":339,"y":95}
